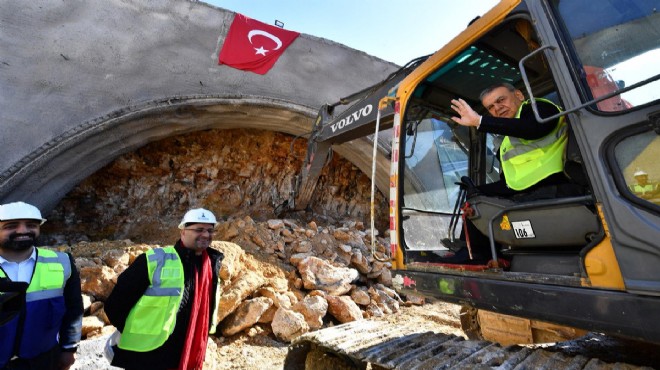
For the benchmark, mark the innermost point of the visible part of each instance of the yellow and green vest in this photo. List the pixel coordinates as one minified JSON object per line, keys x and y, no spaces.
{"x":526,"y":162}
{"x":643,"y":190}
{"x":152,"y":320}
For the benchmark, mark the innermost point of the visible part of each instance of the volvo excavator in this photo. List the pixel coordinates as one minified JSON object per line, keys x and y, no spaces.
{"x":558,"y":265}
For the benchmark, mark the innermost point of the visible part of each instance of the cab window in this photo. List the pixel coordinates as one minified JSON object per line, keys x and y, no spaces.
{"x":637,"y":156}
{"x":617,"y":46}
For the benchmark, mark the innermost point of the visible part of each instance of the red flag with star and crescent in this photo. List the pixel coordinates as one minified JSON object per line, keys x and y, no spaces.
{"x":254,"y":46}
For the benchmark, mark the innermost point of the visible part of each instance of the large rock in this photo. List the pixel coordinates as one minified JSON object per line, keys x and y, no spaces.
{"x":231,"y":264}
{"x":313,"y":308}
{"x":288,"y":325}
{"x":97,"y":281}
{"x":246,"y":315}
{"x":239,"y":289}
{"x":319,"y":274}
{"x":343,"y":309}
{"x":360,"y":296}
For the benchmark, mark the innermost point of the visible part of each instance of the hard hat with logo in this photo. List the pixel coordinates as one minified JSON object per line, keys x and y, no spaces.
{"x":640,"y":173}
{"x":20,"y":211}
{"x":198,"y":216}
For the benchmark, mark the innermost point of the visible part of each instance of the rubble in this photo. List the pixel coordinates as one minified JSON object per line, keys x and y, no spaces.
{"x":293,"y":279}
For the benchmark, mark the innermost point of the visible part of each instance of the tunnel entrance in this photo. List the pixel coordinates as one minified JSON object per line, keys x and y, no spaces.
{"x":233,"y":172}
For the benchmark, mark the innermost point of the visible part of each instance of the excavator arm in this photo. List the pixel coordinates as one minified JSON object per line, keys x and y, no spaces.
{"x":357,"y":121}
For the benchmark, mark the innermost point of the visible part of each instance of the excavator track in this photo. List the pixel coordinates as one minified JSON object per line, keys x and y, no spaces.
{"x":375,"y":344}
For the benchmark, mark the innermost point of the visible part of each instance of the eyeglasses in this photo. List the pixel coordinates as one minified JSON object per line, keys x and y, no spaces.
{"x":201,"y":230}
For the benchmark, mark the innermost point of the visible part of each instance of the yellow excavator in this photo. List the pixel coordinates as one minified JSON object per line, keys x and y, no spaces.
{"x":557,"y":265}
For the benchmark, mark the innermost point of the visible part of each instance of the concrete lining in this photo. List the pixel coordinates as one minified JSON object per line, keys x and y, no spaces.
{"x":85,"y":82}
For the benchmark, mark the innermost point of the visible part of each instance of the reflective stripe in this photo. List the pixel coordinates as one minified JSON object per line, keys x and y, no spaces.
{"x":44,"y":294}
{"x":522,"y":148}
{"x":160,"y":256}
{"x":162,"y":292}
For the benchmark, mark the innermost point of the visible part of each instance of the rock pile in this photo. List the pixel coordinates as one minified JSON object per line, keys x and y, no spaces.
{"x":277,"y":277}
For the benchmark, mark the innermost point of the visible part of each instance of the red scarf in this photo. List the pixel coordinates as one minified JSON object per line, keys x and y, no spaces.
{"x":192,"y":357}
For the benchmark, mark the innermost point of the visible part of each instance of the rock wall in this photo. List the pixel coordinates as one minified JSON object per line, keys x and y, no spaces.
{"x":143,"y":194}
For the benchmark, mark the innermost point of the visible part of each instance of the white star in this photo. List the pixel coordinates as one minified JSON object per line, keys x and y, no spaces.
{"x":261,"y":51}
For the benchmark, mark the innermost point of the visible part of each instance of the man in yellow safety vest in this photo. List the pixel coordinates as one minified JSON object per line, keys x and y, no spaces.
{"x":165,"y":303}
{"x":531,"y":154}
{"x":643,"y":188}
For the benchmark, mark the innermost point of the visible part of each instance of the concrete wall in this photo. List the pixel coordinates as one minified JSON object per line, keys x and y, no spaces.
{"x":83,"y":82}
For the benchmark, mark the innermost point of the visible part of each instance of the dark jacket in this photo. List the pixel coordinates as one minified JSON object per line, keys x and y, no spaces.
{"x":131,"y":284}
{"x":526,"y":127}
{"x":68,"y":328}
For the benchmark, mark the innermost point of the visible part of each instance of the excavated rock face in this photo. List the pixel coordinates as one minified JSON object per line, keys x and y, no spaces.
{"x":142,"y":195}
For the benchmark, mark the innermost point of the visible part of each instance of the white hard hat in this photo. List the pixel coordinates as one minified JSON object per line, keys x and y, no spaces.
{"x":20,"y":211}
{"x":198,"y":216}
{"x":640,"y":173}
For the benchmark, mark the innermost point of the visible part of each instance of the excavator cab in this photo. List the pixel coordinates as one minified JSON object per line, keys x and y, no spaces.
{"x":585,"y":242}
{"x":560,"y":260}
{"x":523,"y":224}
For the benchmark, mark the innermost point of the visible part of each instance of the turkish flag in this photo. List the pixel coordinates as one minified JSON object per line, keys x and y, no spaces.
{"x":254,"y":46}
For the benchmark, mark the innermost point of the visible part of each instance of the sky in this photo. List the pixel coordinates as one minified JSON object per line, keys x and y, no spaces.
{"x":395,"y":31}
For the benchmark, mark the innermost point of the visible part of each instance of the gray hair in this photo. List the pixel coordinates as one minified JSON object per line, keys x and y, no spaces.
{"x":489,"y":89}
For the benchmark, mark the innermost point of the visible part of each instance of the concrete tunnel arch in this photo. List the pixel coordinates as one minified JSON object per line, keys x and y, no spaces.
{"x":81,"y":88}
{"x":58,"y":166}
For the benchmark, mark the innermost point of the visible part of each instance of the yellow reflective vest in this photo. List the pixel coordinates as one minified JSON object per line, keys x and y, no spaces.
{"x":526,"y":162}
{"x":152,"y":320}
{"x":643,"y":189}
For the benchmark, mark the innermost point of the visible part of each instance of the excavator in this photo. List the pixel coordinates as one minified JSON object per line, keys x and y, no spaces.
{"x":559,"y":264}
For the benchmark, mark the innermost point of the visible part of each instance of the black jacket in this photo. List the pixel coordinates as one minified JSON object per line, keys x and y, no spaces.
{"x":526,"y":127}
{"x":131,"y":284}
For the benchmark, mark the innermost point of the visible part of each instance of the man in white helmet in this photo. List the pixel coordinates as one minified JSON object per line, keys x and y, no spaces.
{"x":643,"y":188}
{"x":45,"y":335}
{"x":165,"y":304}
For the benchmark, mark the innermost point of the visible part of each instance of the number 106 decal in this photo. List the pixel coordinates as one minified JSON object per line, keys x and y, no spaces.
{"x":523,"y":230}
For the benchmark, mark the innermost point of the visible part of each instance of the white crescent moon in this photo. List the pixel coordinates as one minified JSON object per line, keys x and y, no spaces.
{"x":265,"y":34}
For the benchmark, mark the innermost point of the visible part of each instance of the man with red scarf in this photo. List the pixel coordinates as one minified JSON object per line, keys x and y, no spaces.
{"x":164,"y":304}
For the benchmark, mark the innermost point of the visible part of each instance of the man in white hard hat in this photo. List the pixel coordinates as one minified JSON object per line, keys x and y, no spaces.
{"x":47,"y":332}
{"x":165,"y":304}
{"x":643,"y":188}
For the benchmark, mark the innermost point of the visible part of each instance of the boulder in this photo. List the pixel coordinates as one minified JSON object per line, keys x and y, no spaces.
{"x":246,"y":315}
{"x":288,"y":325}
{"x":319,"y":274}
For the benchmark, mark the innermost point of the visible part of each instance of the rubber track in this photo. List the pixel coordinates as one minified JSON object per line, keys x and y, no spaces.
{"x":392,"y":346}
